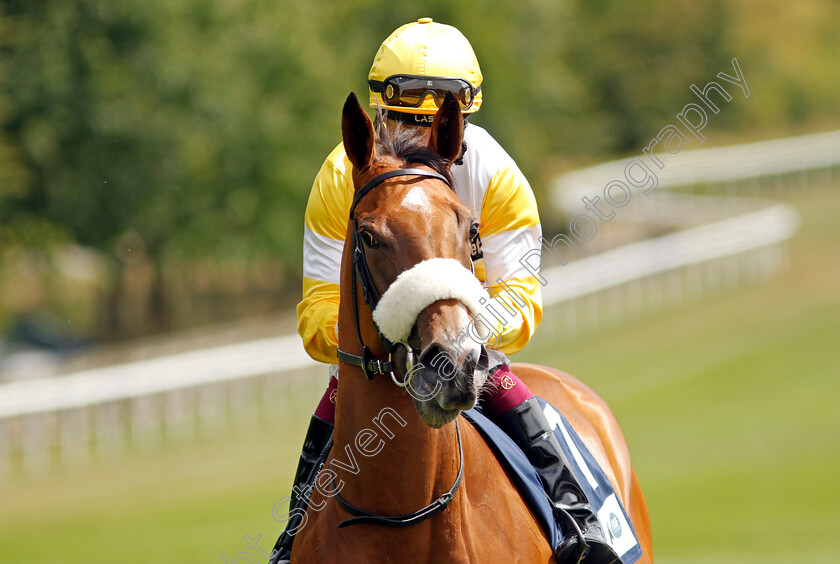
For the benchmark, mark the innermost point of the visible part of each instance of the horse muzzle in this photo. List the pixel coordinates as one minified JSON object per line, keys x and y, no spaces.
{"x":432,"y":301}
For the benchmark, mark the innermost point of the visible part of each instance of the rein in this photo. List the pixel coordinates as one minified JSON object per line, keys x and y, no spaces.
{"x":361,"y":516}
{"x":371,"y":366}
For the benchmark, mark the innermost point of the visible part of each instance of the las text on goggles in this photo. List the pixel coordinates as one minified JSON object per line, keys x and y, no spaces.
{"x":409,"y":91}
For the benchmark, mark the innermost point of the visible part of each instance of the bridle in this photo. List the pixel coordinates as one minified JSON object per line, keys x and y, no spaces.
{"x":371,"y":366}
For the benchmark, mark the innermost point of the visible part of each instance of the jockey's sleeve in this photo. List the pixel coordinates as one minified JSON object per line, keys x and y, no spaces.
{"x":510,"y":229}
{"x":325,"y":227}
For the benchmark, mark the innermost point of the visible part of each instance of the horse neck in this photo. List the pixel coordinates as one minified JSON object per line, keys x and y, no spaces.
{"x":415,"y":463}
{"x":401,"y":464}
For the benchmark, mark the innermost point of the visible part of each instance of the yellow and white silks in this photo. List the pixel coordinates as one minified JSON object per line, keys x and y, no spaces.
{"x":490,"y":184}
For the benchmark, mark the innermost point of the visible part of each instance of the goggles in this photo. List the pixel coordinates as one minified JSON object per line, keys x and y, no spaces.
{"x":409,"y":90}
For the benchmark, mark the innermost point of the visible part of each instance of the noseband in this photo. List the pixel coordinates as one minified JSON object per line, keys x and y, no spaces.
{"x":370,"y":365}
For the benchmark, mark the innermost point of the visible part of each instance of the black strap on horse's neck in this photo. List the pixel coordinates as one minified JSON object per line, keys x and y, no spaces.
{"x":361,"y":516}
{"x":366,"y":361}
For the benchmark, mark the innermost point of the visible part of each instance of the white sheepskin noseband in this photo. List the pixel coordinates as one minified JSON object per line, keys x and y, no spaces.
{"x":419,"y":287}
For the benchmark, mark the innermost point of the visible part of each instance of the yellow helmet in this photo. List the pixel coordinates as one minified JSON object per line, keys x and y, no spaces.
{"x":418,"y":64}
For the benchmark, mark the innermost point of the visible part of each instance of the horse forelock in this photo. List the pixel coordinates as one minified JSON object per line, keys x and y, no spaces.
{"x":406,"y":144}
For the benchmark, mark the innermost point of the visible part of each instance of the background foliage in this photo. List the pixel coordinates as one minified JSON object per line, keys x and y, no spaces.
{"x":178,"y":140}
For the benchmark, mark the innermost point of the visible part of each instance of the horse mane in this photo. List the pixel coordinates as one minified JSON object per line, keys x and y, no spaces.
{"x":404,"y":143}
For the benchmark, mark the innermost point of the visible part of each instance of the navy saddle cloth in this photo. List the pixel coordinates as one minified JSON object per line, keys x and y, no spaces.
{"x":614,"y":521}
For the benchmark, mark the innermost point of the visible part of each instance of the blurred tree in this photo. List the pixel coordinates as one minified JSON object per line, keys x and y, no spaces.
{"x":189,"y":132}
{"x":635,"y":64}
{"x":189,"y":127}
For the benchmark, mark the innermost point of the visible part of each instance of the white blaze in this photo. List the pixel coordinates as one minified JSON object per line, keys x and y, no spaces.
{"x":416,"y":199}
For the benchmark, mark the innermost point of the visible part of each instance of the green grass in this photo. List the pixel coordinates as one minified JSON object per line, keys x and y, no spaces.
{"x":728,"y":404}
{"x":188,"y":504}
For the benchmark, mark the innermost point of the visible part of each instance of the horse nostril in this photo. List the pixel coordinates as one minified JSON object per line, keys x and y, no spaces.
{"x":469,"y":364}
{"x":437,"y":359}
{"x":429,"y":353}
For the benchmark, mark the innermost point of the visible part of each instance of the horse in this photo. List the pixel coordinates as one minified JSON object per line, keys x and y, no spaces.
{"x":398,"y":449}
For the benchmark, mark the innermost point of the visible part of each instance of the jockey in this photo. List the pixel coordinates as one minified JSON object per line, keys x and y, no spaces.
{"x":412,"y":71}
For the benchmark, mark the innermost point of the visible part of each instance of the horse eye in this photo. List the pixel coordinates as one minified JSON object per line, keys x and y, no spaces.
{"x":473,"y":231}
{"x":368,"y":240}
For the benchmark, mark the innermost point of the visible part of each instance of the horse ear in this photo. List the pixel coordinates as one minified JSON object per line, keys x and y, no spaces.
{"x":357,"y":133}
{"x":447,"y":129}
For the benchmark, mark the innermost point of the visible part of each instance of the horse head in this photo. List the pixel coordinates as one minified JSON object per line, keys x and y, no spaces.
{"x":411,"y":258}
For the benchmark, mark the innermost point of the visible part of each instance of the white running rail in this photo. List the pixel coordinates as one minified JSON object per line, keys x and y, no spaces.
{"x":47,"y":421}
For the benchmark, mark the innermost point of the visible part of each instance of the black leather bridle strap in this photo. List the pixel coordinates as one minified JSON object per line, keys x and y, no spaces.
{"x":361,"y":516}
{"x":391,"y":174}
{"x":368,"y":365}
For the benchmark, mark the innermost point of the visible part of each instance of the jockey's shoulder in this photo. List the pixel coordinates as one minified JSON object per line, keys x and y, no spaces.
{"x":338,"y":160}
{"x":483,"y":151}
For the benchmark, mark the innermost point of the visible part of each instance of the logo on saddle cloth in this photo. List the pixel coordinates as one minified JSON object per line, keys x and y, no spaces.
{"x":615,"y":526}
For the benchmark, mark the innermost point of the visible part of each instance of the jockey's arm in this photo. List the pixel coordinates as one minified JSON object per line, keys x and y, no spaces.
{"x":510,"y":229}
{"x":325,"y":227}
